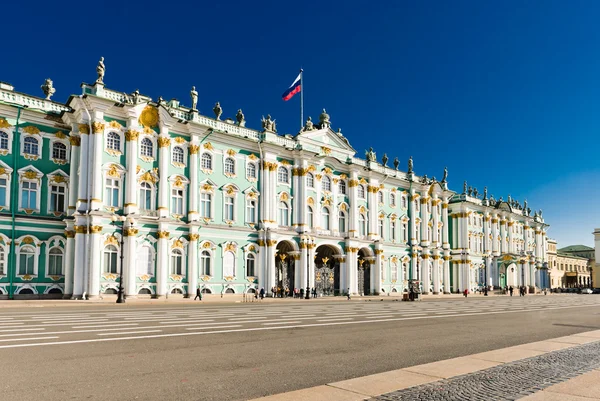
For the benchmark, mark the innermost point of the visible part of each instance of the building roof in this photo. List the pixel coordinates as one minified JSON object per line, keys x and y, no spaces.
{"x":575,"y":248}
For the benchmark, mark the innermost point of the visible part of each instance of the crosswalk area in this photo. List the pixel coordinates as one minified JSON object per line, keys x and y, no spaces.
{"x":63,"y":326}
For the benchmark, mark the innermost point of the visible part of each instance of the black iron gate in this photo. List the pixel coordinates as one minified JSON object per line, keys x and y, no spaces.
{"x":364,"y":279}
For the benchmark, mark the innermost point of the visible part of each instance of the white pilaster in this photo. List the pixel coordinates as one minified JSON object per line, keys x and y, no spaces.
{"x":131,"y":252}
{"x":131,"y":137}
{"x":95,"y":257}
{"x":69,"y":260}
{"x":194,"y":189}
{"x":193,"y":261}
{"x":162,"y":266}
{"x":164,"y":143}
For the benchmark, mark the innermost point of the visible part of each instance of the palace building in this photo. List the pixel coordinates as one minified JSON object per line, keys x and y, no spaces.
{"x":193,"y":202}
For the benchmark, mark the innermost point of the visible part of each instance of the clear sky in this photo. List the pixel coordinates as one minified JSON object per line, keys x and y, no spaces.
{"x":506,"y":94}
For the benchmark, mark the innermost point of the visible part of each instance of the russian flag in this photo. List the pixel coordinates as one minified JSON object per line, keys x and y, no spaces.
{"x":293,"y":89}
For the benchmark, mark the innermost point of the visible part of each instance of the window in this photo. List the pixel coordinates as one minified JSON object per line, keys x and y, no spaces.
{"x":59,"y":151}
{"x":177,"y":201}
{"x":177,"y":155}
{"x":3,"y":140}
{"x":283,"y":214}
{"x":145,"y":196}
{"x":282,"y":175}
{"x":111,"y":194}
{"x":342,"y":187}
{"x":110,"y":259}
{"x":229,"y":206}
{"x":310,"y":180}
{"x":29,"y":195}
{"x":404,"y":201}
{"x":206,"y":161}
{"x":229,"y":264}
{"x":251,"y":170}
{"x":417,"y":206}
{"x":361,"y":192}
{"x":394,"y":272}
{"x":309,"y":217}
{"x":146,"y":147}
{"x":362,"y":225}
{"x":380,"y":197}
{"x":144,"y":261}
{"x":342,"y":222}
{"x":30,"y":146}
{"x":392,"y":199}
{"x":250,"y":272}
{"x":250,"y":211}
{"x":205,"y":264}
{"x":325,"y":216}
{"x":55,"y":262}
{"x":26,"y":261}
{"x":176,"y":262}
{"x":113,"y":141}
{"x":57,"y":198}
{"x":2,"y":260}
{"x":205,"y":205}
{"x":393,"y":230}
{"x":326,"y":183}
{"x":380,"y":228}
{"x":3,"y":189}
{"x":229,"y":166}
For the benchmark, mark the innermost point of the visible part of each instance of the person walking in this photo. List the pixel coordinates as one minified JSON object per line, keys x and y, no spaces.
{"x":198,"y":294}
{"x":348,"y":294}
{"x":466,"y":292}
{"x":510,"y":290}
{"x":262,"y":293}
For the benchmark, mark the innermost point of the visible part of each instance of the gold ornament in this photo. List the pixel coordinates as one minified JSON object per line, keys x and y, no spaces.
{"x":132,"y":135}
{"x":98,"y":127}
{"x":4,"y":123}
{"x":31,"y":130}
{"x":149,"y":117}
{"x":193,"y":237}
{"x":84,"y":129}
{"x":164,"y":142}
{"x":194,"y":149}
{"x":163,"y":234}
{"x":75,"y":140}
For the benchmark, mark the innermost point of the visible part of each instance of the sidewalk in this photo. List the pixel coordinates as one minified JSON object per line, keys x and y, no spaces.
{"x":583,"y":387}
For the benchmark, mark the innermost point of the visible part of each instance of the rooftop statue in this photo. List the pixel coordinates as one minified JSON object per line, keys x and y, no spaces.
{"x":464,"y":188}
{"x":396,"y":163}
{"x":425,"y":180}
{"x":218,"y":111}
{"x":540,"y":213}
{"x":528,"y":211}
{"x":324,"y":119}
{"x":239,"y":117}
{"x":194,"y":96}
{"x":475,"y":193}
{"x":525,"y":206}
{"x":48,"y":88}
{"x":470,"y":191}
{"x":384,"y":160}
{"x":484,"y":193}
{"x":268,"y":124}
{"x":100,"y":70}
{"x":445,"y":176}
{"x":309,"y":126}
{"x":370,"y":155}
{"x":410,"y":165}
{"x":136,"y":96}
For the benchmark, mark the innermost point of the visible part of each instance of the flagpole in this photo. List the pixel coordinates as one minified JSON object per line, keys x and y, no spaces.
{"x":301,"y":98}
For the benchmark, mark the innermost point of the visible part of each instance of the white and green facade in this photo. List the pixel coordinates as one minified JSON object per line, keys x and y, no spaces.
{"x":215,"y":205}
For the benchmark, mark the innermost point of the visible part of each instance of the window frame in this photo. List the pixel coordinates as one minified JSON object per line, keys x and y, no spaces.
{"x":281,"y":172}
{"x":26,"y":139}
{"x":229,"y":166}
{"x":211,"y":160}
{"x":152,"y":147}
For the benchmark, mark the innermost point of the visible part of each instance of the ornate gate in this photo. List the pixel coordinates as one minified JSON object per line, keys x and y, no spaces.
{"x":325,"y":278}
{"x":364,"y":277}
{"x":284,"y":273}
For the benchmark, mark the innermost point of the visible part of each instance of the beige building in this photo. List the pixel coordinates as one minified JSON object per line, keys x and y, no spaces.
{"x":566,"y":269}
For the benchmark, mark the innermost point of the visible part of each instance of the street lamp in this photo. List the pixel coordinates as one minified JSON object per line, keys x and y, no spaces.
{"x":114,"y":220}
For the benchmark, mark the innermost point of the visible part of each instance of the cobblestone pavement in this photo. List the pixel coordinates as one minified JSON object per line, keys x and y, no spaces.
{"x":510,"y":381}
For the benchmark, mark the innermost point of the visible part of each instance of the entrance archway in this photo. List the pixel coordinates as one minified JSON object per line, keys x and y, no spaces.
{"x":284,"y":267}
{"x":327,"y":271}
{"x":365,"y":260}
{"x":510,"y":275}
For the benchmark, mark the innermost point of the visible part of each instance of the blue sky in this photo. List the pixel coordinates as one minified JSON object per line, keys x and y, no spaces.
{"x":506,"y":94}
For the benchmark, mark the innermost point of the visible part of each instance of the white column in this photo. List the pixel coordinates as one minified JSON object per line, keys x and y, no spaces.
{"x":413,"y":265}
{"x":353,"y":198}
{"x":82,"y":185}
{"x":194,"y":188}
{"x":193,"y":261}
{"x":162,"y":262}
{"x":425,"y":270}
{"x":262,"y":264}
{"x":131,"y":137}
{"x":511,"y":245}
{"x":424,"y":222}
{"x":446,"y":269}
{"x":311,"y":264}
{"x":98,"y":147}
{"x":503,"y":248}
{"x":446,"y":228}
{"x":94,"y":270}
{"x":376,"y":288}
{"x":130,"y":262}
{"x":270,"y":268}
{"x":436,"y":271}
{"x":344,"y":276}
{"x":413,"y":217}
{"x":73,"y":175}
{"x":495,"y":245}
{"x":80,"y":263}
{"x":435,"y":218}
{"x":372,"y":229}
{"x":532,"y":274}
{"x":303,"y":264}
{"x":69,"y":260}
{"x":164,"y":142}
{"x":297,"y":270}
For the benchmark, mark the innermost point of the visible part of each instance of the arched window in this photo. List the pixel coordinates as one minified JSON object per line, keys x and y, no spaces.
{"x":205,"y":264}
{"x":342,"y":187}
{"x":146,"y":147}
{"x":282,"y":175}
{"x":3,"y":140}
{"x":394,"y":272}
{"x":392,"y":199}
{"x":59,"y":151}
{"x":342,"y":222}
{"x":113,"y":141}
{"x":178,"y":154}
{"x":326,"y":183}
{"x":393,"y":229}
{"x":250,"y":211}
{"x":250,"y":271}
{"x":361,"y":192}
{"x":55,"y":262}
{"x":380,"y":197}
{"x":30,"y":146}
{"x":145,"y":196}
{"x":57,"y":198}
{"x":145,"y":265}
{"x":177,"y":262}
{"x":380,"y":228}
{"x":177,"y":201}
{"x":26,"y":260}
{"x":229,"y":166}
{"x":110,"y":259}
{"x":206,"y":161}
{"x":251,"y":170}
{"x":404,"y":202}
{"x":325,"y":217}
{"x":229,"y":264}
{"x":310,"y":180}
{"x":362,"y":225}
{"x":405,"y":231}
{"x":309,"y":217}
{"x":284,"y":215}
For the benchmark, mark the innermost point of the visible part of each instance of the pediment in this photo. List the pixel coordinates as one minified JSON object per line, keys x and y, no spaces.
{"x":317,"y":139}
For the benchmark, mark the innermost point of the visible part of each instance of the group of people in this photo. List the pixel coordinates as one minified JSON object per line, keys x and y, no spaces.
{"x":278,"y":292}
{"x":522,"y":290}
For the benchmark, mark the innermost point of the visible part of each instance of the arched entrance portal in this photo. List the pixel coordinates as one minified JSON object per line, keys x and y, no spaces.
{"x":365,"y":260}
{"x":327,"y":271}
{"x":508,"y":275}
{"x":284,"y":268}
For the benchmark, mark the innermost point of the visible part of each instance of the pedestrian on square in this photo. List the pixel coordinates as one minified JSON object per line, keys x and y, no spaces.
{"x":510,"y":290}
{"x":198,"y":294}
{"x":348,"y":294}
{"x":465,"y":292}
{"x":255,"y":296}
{"x":262,"y":293}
